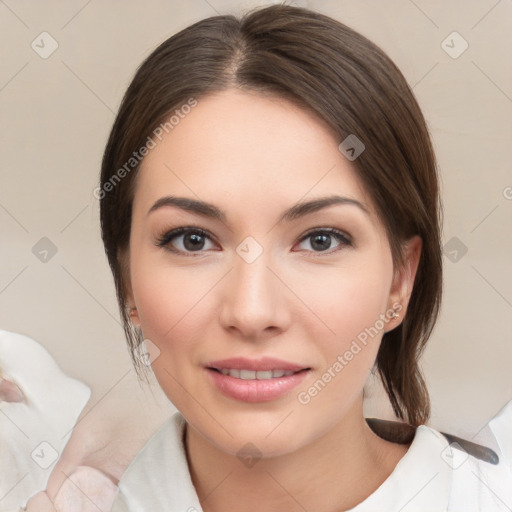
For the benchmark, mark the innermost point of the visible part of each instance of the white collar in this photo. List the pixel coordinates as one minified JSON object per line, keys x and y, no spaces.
{"x":420,"y":481}
{"x":176,"y":492}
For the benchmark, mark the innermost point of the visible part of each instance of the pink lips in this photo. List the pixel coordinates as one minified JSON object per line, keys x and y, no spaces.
{"x":262,"y":389}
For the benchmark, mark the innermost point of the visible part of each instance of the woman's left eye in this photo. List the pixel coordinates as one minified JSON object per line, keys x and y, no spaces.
{"x":321,"y":240}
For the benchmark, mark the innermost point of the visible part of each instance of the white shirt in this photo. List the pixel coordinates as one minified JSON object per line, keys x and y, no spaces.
{"x":433,"y":476}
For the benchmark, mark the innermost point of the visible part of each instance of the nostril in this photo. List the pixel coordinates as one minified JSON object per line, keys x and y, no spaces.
{"x":10,"y":392}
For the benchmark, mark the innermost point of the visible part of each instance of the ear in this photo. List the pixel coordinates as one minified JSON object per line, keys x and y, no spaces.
{"x":132,"y":311}
{"x":124,"y":264}
{"x":403,"y":281}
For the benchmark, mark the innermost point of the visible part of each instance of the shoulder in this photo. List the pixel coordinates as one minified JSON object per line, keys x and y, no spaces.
{"x":479,"y":479}
{"x":444,"y":472}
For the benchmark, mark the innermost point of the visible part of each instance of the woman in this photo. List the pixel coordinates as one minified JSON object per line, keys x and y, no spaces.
{"x":270,"y":212}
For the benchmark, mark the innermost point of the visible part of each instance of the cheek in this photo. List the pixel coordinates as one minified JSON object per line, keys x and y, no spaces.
{"x":362,"y":298}
{"x":163,"y":298}
{"x":349,"y":299}
{"x":172,"y":303}
{"x":173,"y":314}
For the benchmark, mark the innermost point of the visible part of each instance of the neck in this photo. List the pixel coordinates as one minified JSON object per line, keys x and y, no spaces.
{"x":335,"y":472}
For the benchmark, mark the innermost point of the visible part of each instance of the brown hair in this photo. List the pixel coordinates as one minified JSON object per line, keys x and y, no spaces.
{"x":323,"y":66}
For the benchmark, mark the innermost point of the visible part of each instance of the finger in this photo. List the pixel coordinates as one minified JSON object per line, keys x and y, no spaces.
{"x":10,"y":392}
{"x":40,"y":503}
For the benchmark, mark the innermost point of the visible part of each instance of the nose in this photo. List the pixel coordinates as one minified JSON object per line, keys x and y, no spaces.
{"x":254,"y":300}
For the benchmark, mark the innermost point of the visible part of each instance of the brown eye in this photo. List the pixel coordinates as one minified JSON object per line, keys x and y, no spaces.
{"x":185,"y":240}
{"x":323,"y":240}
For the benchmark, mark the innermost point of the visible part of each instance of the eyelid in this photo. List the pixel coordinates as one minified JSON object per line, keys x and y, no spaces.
{"x":331,"y":231}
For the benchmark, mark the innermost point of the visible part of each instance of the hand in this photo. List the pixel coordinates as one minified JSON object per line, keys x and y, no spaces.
{"x":86,"y":490}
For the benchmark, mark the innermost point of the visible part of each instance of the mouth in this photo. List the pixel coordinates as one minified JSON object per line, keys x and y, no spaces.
{"x":255,"y":380}
{"x":246,"y":374}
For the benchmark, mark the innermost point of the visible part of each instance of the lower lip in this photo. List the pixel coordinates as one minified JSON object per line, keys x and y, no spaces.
{"x":254,"y":390}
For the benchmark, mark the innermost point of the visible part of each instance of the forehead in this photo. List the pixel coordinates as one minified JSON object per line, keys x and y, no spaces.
{"x":252,"y":150}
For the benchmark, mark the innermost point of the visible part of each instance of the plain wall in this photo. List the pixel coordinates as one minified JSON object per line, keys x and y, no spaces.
{"x":56,"y":114}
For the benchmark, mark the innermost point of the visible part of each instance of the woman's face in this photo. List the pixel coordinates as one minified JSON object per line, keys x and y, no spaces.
{"x":307,"y":293}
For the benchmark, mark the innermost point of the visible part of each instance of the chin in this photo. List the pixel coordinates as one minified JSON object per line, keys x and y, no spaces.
{"x":262,"y":433}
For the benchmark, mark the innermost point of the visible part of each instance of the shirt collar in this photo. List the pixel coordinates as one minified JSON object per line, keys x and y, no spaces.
{"x":146,"y":473}
{"x":420,"y":481}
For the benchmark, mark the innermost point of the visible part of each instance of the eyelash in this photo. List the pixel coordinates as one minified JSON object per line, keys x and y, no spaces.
{"x":164,"y":240}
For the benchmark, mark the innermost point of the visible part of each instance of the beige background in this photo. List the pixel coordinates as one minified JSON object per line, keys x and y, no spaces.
{"x":56,"y":114}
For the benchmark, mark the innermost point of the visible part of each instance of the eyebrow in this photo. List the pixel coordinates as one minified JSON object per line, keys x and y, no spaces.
{"x":299,"y":210}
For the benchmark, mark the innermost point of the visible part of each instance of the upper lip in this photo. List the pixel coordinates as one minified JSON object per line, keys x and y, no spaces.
{"x":260,"y":364}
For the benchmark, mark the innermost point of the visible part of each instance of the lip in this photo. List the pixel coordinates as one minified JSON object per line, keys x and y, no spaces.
{"x":254,"y":390}
{"x":261,"y":364}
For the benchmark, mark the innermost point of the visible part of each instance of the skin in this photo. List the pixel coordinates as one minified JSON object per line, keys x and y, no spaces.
{"x":253,"y":157}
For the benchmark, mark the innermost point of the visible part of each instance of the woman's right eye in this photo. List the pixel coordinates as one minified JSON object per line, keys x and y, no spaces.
{"x":185,"y":240}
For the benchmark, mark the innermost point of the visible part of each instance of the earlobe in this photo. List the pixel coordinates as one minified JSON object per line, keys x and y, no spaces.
{"x":130,"y":308}
{"x":133,"y":314}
